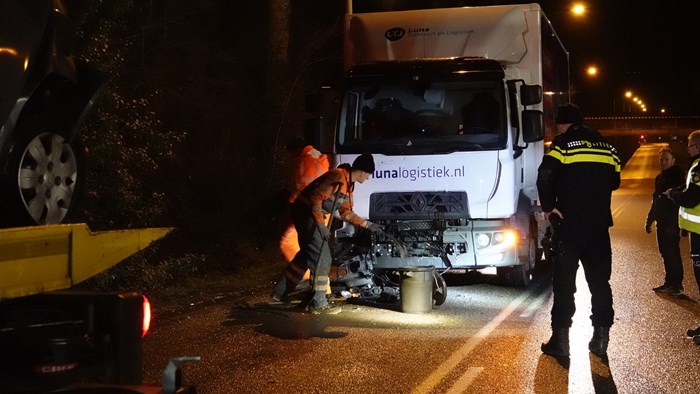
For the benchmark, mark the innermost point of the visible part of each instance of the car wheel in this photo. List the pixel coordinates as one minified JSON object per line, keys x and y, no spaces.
{"x":44,"y":178}
{"x":439,"y":289}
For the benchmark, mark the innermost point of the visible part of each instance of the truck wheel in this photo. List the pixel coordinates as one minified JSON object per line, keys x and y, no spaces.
{"x":439,"y":289}
{"x":43,"y":178}
{"x":534,"y":254}
{"x":518,"y":276}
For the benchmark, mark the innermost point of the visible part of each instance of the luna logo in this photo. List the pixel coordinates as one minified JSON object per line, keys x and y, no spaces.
{"x":394,"y":34}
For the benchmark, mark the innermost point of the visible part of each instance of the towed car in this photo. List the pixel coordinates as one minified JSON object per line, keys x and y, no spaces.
{"x":45,"y":93}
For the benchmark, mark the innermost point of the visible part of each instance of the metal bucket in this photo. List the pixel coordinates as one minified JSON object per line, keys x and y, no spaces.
{"x":416,"y":289}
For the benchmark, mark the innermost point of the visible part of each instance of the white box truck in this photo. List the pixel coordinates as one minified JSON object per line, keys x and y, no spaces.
{"x":455,"y":105}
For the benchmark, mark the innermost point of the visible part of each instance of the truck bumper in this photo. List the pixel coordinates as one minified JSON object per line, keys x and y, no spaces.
{"x":480,"y":244}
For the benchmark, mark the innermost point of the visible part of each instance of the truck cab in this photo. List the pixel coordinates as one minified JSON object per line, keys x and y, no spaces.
{"x":455,"y":106}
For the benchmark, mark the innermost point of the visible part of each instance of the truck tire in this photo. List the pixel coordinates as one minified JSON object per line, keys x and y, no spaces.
{"x":518,"y":276}
{"x":42,"y":177}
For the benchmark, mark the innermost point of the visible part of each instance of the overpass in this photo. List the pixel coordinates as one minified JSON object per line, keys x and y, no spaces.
{"x":654,"y":126}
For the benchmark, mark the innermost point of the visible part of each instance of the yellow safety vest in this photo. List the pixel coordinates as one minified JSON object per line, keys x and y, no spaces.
{"x":689,"y":218}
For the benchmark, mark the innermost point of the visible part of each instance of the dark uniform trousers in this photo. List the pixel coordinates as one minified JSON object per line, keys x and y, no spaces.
{"x":668,"y":239}
{"x":592,"y":248}
{"x":695,"y":255}
{"x":314,"y":254}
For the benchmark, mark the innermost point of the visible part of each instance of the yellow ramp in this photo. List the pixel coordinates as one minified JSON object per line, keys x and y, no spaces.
{"x":44,"y":258}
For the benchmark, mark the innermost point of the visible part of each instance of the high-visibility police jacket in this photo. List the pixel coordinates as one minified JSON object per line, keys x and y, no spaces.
{"x":332,"y":191}
{"x":577,"y":176}
{"x":689,"y":199}
{"x":309,"y":164}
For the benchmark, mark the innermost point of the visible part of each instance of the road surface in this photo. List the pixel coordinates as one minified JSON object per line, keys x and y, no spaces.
{"x":484,"y":339}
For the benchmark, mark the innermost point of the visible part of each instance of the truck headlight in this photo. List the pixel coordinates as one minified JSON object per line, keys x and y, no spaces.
{"x":500,"y":239}
{"x":483,"y":240}
{"x":506,"y":238}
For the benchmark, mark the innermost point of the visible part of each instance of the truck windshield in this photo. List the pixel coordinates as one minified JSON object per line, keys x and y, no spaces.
{"x":402,"y":118}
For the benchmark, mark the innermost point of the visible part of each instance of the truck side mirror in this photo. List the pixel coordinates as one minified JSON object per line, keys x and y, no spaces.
{"x":318,"y":130}
{"x":313,"y":130}
{"x":316,"y":135}
{"x":530,"y":94}
{"x":533,"y":125}
{"x":312,"y":103}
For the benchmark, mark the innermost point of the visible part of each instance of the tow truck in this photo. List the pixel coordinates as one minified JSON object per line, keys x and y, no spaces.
{"x":57,"y":339}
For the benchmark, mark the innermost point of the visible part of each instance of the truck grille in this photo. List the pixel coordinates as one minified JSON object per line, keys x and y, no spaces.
{"x":418,"y":205}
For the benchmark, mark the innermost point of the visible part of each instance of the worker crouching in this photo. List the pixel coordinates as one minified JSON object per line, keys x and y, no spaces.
{"x":329,"y":193}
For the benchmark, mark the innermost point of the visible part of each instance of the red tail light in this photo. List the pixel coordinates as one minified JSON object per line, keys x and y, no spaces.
{"x":146,"y":324}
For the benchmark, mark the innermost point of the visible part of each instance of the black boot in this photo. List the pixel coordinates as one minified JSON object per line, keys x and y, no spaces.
{"x":599,"y":343}
{"x":280,"y":292}
{"x":558,"y":345}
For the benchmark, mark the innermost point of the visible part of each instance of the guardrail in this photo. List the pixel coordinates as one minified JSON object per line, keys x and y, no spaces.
{"x":647,"y":125}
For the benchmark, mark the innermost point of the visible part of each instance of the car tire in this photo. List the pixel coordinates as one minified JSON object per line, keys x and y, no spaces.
{"x":439,"y":289}
{"x":43,"y":177}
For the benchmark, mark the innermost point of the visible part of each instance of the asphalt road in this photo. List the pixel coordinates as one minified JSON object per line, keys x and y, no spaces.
{"x":484,"y":339}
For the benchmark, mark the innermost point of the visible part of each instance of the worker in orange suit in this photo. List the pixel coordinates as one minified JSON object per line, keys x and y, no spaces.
{"x":307,"y":164}
{"x":329,"y":194}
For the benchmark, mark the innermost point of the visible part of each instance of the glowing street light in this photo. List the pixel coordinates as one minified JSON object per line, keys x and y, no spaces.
{"x":629,"y":95}
{"x":578,"y":9}
{"x":592,"y":71}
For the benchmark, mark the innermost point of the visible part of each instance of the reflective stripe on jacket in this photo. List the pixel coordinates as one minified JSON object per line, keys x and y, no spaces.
{"x":321,"y":195}
{"x":689,"y":212}
{"x":577,"y":176}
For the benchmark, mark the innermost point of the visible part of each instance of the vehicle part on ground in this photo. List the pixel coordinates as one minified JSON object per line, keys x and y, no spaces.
{"x":439,"y":289}
{"x":356,"y":274}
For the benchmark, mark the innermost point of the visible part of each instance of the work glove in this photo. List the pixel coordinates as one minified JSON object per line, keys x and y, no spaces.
{"x":684,"y":232}
{"x":647,"y":227}
{"x":375,"y":228}
{"x":325,"y":232}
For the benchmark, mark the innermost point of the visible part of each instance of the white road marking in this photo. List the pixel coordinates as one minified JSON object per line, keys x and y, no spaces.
{"x":460,"y":354}
{"x":451,"y":363}
{"x":534,"y":305}
{"x":465,"y":380}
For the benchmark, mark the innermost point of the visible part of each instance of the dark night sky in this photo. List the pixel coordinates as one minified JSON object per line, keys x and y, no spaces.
{"x":648,"y":46}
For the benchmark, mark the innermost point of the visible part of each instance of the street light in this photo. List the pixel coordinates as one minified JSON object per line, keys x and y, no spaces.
{"x":592,"y":71}
{"x":629,"y":95}
{"x":578,"y":9}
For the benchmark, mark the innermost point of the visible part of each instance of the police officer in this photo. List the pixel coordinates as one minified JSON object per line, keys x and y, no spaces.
{"x":575,"y":183}
{"x":689,"y":213}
